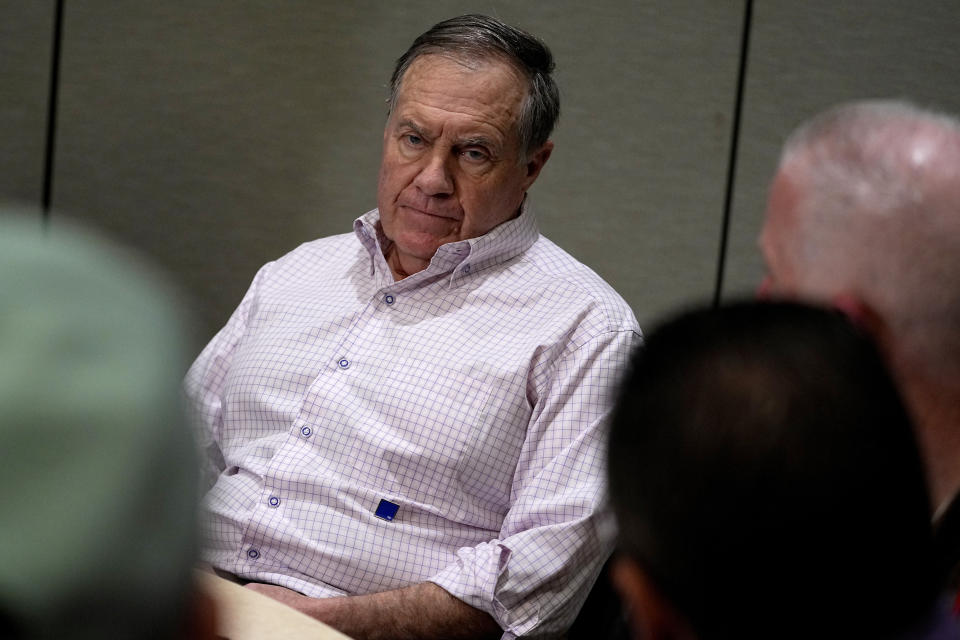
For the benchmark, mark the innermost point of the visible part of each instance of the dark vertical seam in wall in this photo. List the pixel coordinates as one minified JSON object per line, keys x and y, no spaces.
{"x":52,"y":112}
{"x":734,"y":143}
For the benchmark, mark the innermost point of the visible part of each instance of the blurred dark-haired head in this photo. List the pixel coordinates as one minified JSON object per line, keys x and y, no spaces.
{"x":765,"y":477}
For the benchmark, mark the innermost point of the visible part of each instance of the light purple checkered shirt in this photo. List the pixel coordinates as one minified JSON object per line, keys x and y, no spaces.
{"x":471,"y":394}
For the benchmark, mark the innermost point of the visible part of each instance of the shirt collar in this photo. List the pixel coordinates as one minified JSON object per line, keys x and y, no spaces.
{"x":459,"y":259}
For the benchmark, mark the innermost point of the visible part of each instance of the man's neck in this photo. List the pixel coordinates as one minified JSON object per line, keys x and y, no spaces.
{"x":402,"y":266}
{"x":935,"y":407}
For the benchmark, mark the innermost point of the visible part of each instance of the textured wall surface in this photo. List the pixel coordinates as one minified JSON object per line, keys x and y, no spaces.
{"x":26,"y":30}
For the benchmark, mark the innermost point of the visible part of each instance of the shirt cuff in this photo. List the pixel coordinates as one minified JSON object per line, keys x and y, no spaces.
{"x":474,"y":577}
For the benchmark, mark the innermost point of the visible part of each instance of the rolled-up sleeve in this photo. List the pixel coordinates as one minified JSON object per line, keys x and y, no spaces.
{"x":558,"y":532}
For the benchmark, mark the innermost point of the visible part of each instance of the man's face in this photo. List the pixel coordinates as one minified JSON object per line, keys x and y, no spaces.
{"x":451,"y":166}
{"x":778,"y":239}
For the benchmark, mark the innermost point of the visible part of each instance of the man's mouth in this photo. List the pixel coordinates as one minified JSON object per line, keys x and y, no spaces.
{"x":434,"y":214}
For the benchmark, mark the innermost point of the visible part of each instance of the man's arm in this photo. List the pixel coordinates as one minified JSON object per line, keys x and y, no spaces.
{"x":203,"y":385}
{"x":557,"y":533}
{"x":422,"y":610}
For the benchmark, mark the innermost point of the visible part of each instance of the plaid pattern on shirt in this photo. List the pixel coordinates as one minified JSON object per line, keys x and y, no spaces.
{"x":472,"y":395}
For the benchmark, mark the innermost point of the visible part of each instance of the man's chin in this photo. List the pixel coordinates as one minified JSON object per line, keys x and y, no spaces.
{"x":419,"y":248}
{"x":415,"y":250}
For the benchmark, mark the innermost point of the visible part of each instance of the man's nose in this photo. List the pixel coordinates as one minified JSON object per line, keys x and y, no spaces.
{"x":435,"y":178}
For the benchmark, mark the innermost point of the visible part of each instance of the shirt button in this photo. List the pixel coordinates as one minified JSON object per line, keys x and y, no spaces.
{"x":344,"y":363}
{"x":466,"y":268}
{"x":306,"y":431}
{"x":253,"y":554}
{"x":388,"y":299}
{"x":274,"y":501}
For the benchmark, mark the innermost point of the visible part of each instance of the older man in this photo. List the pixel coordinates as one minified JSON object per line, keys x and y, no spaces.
{"x":864,"y":214}
{"x":411,"y":415}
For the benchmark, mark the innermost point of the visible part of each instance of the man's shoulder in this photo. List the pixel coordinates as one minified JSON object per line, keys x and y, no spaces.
{"x":324,"y":259}
{"x":319,"y":246}
{"x":555,"y":270}
{"x":325,"y":250}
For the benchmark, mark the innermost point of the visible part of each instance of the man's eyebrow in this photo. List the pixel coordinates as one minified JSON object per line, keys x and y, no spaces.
{"x":410,"y":124}
{"x":478,"y":141}
{"x":492,"y":144}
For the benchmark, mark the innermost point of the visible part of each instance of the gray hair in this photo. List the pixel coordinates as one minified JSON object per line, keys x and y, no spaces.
{"x":477,"y":37}
{"x":879,"y":215}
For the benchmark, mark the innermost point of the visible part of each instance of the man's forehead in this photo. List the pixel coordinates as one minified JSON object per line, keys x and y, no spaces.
{"x":464,"y":63}
{"x":462,"y":78}
{"x":438,"y":92}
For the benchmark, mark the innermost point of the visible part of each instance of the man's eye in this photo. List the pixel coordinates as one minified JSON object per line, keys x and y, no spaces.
{"x":413,"y":140}
{"x":474,"y":155}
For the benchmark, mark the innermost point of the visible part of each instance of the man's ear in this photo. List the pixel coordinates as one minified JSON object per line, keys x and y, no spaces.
{"x":862,"y":315}
{"x":866,"y":318}
{"x":535,"y":163}
{"x":651,"y":615}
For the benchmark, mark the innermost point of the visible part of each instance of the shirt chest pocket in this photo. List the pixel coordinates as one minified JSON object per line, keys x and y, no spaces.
{"x":439,"y":437}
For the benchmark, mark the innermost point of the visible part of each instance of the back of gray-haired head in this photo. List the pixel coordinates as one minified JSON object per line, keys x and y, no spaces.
{"x":870,"y":146}
{"x":476,"y":37}
{"x":98,"y":462}
{"x":848,"y":126}
{"x":878,"y":183}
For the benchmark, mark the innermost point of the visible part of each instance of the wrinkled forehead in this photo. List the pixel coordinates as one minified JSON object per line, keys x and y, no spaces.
{"x":442,"y":92}
{"x":424,"y":66}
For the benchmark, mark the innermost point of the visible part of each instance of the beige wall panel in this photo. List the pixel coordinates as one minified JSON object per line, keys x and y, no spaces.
{"x":806,"y":56}
{"x":26,"y":36}
{"x":217,"y":136}
{"x":637,"y":182}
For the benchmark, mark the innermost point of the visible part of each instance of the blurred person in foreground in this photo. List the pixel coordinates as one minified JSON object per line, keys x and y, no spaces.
{"x":98,"y":466}
{"x":404,"y":424}
{"x":766,"y":483}
{"x":864,"y":215}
